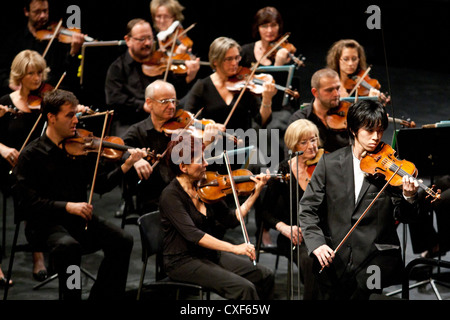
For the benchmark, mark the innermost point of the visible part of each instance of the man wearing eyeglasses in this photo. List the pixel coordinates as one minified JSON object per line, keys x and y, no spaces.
{"x":147,"y":182}
{"x":127,"y":77}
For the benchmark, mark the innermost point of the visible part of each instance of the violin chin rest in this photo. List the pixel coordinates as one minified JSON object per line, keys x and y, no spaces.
{"x":364,"y":154}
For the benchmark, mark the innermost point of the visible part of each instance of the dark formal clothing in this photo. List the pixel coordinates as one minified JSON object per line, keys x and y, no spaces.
{"x":205,"y":95}
{"x":144,"y":135}
{"x":47,"y":178}
{"x":331,"y":139}
{"x":231,"y":276}
{"x":328,"y":210}
{"x":279,"y":199}
{"x":125,"y":86}
{"x":14,"y":130}
{"x":58,"y":59}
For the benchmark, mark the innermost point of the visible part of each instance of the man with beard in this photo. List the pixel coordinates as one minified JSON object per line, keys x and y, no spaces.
{"x":60,"y":57}
{"x":325,"y":85}
{"x":128,"y":76}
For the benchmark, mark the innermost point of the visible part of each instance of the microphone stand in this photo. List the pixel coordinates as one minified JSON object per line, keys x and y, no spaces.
{"x":291,"y":272}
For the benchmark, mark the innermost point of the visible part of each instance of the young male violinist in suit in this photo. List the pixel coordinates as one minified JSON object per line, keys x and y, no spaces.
{"x":337,"y":195}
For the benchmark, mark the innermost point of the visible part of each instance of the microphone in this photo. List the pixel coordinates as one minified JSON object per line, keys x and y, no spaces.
{"x":297,"y":153}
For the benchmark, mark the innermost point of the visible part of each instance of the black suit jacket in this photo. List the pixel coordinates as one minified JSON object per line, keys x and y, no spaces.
{"x":328,"y":211}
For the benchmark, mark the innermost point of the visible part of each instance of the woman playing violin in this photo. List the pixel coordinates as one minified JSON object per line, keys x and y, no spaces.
{"x":212,"y":93}
{"x":348,"y":58}
{"x":164,"y":14}
{"x":337,"y":195}
{"x":191,"y":250}
{"x":268,"y":26}
{"x":301,"y":135}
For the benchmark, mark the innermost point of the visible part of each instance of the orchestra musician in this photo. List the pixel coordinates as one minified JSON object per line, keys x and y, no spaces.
{"x":214,"y":96}
{"x":347,"y":57}
{"x":146,"y":180}
{"x":191,"y":251}
{"x":50,"y":191}
{"x":325,"y":87}
{"x":20,"y":123}
{"x":164,"y":14}
{"x":301,"y":135}
{"x":337,"y":195}
{"x":268,"y":27}
{"x":61,"y":57}
{"x":126,"y":81}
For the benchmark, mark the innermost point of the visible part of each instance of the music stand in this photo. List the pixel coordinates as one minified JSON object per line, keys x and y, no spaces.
{"x":426,"y":148}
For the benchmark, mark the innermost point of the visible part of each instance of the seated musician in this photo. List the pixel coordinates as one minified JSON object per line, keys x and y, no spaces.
{"x":347,"y":57}
{"x":61,"y":57}
{"x":268,"y":27}
{"x":127,"y":76}
{"x":147,"y":181}
{"x":167,"y":16}
{"x":337,"y":195}
{"x":191,"y":251}
{"x":51,"y":193}
{"x":325,"y":87}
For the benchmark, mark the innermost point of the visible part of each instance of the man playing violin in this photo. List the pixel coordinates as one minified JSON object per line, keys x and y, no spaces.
{"x":50,"y":192}
{"x":145,"y":180}
{"x":325,"y":87}
{"x":192,"y":252}
{"x":337,"y":195}
{"x":126,"y":81}
{"x":60,"y":57}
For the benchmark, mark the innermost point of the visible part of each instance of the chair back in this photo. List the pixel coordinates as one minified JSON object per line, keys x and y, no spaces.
{"x":151,"y":233}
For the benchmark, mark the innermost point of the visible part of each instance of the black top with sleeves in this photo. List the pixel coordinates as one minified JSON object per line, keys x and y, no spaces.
{"x":47,"y":178}
{"x":144,"y":135}
{"x":125,"y":86}
{"x":205,"y":95}
{"x":184,"y":225}
{"x":277,"y":199}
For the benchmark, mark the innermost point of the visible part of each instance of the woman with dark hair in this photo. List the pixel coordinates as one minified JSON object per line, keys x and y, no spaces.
{"x":268,"y":27}
{"x":192,"y":253}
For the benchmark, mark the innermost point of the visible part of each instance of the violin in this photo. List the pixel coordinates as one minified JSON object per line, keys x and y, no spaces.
{"x":383,"y":162}
{"x":311,"y":164}
{"x":112,"y":148}
{"x":336,"y":118}
{"x":35,"y":97}
{"x":299,"y":61}
{"x":214,"y":187}
{"x":184,"y":118}
{"x":64,"y":35}
{"x":366,"y":83}
{"x":237,"y":82}
{"x":157,"y":64}
{"x":166,"y":40}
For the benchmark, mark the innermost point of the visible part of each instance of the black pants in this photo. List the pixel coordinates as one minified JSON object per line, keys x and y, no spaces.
{"x":234,"y":277}
{"x":66,"y":248}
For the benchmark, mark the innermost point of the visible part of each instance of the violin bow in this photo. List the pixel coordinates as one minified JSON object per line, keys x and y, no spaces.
{"x":169,"y":63}
{"x":40,"y":116}
{"x":58,"y":27}
{"x":249,"y":78}
{"x":238,"y":206}
{"x":184,"y":129}
{"x":181,"y":34}
{"x":98,"y":161}
{"x":361,"y":79}
{"x":364,"y":213}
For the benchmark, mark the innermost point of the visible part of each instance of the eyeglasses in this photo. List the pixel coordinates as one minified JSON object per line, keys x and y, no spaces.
{"x":350,"y":60}
{"x":312,"y":141}
{"x":149,"y":38}
{"x":165,"y":102}
{"x":229,"y":59}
